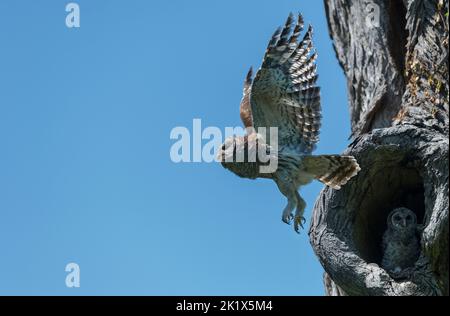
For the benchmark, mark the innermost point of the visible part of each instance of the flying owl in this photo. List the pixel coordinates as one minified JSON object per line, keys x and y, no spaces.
{"x":400,"y":244}
{"x":284,"y":94}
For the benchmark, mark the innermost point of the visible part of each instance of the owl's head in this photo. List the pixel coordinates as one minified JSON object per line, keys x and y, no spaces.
{"x":402,"y":219}
{"x":240,"y":148}
{"x":227,"y":152}
{"x":241,"y":154}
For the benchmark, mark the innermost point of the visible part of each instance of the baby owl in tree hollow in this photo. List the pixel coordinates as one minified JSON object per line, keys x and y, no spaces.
{"x":284,"y":95}
{"x":400,"y":245}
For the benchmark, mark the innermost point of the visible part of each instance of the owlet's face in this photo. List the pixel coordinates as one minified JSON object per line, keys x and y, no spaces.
{"x":403,"y":219}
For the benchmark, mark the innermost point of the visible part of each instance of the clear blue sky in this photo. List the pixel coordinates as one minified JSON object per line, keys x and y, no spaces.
{"x":85,"y":171}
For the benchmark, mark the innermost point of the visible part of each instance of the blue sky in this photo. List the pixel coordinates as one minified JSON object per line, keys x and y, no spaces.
{"x":85,"y":170}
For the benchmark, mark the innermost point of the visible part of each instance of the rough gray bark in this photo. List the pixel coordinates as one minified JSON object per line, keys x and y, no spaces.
{"x":397,"y":74}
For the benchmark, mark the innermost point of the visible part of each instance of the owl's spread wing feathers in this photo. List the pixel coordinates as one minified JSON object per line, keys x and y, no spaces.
{"x":245,"y":109}
{"x":284,"y":92}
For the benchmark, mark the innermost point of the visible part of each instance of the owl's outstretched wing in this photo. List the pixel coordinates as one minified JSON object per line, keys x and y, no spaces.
{"x":284,"y":92}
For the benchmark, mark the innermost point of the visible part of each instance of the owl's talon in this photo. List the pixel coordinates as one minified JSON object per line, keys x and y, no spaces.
{"x":287,"y":218}
{"x":299,"y":221}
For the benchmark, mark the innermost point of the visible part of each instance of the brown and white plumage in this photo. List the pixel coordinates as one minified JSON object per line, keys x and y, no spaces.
{"x":284,"y":94}
{"x":245,"y":109}
{"x":284,"y":91}
{"x":332,"y":170}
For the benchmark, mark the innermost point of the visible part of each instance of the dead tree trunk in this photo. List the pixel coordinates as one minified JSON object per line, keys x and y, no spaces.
{"x":395,"y":57}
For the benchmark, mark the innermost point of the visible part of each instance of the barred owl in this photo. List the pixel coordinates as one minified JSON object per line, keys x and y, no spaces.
{"x":284,"y":94}
{"x":400,"y":242}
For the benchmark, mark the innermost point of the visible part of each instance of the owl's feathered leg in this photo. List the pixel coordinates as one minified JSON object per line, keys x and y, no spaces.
{"x":294,"y":202}
{"x":289,"y":191}
{"x":288,"y":214}
{"x":299,"y":220}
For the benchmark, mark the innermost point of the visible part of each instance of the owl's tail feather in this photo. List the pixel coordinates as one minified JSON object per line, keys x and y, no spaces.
{"x":332,"y":170}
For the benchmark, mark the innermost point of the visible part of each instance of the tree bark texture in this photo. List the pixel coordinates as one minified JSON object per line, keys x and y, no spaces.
{"x":394,"y":55}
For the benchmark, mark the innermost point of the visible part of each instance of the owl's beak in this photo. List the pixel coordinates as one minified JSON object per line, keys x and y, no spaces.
{"x":404,"y":222}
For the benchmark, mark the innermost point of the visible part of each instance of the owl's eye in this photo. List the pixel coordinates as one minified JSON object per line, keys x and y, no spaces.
{"x":408,"y":218}
{"x":397,"y":218}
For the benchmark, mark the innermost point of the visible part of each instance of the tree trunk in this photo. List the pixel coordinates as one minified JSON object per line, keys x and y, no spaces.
{"x":395,"y":57}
